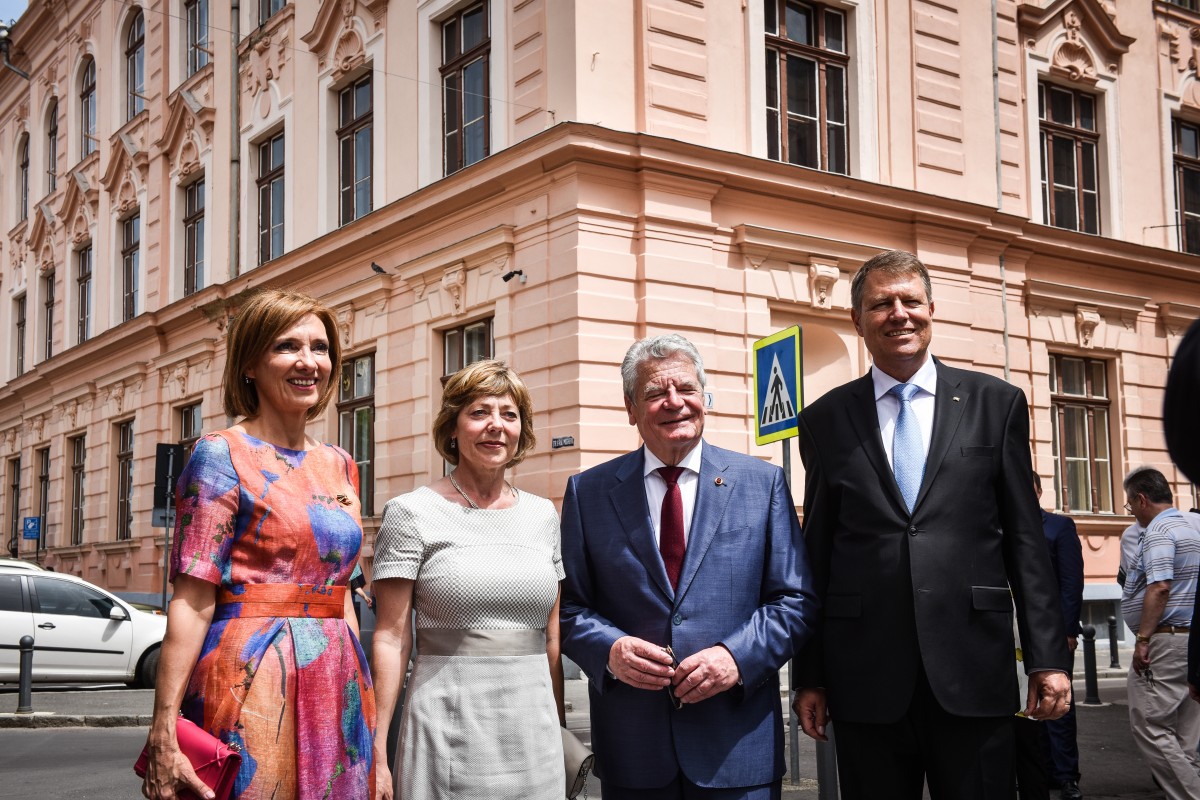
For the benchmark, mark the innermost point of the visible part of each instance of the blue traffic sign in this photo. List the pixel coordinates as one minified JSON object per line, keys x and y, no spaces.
{"x":31,"y":528}
{"x":777,"y":390}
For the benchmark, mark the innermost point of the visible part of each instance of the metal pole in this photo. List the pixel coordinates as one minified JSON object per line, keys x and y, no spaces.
{"x":25,"y":690}
{"x":1090,"y":682}
{"x":1114,"y":659}
{"x":167,"y":526}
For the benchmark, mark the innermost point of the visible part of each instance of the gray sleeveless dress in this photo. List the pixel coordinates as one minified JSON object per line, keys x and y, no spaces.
{"x":479,"y":720}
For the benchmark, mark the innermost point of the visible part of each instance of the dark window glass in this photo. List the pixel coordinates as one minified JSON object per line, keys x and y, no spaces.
{"x":83,"y":291}
{"x":465,"y":345}
{"x":135,"y":65}
{"x":52,"y":148}
{"x":1069,"y":146}
{"x":190,"y":425}
{"x":87,"y":108}
{"x":48,"y":315}
{"x":59,"y":597}
{"x":131,"y":237}
{"x":196,"y":12}
{"x":20,"y":333}
{"x":10,"y":593}
{"x":270,"y":199}
{"x":125,"y":480}
{"x":1187,"y":184}
{"x":354,"y":150}
{"x":356,"y":422}
{"x":1080,"y":435}
{"x":14,"y":504}
{"x":193,"y":238}
{"x":807,"y":66}
{"x":23,"y":179}
{"x":78,"y":450}
{"x":466,"y":105}
{"x":43,"y":460}
{"x":268,"y":9}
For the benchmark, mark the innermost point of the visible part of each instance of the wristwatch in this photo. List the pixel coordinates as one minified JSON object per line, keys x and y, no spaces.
{"x":1139,"y":639}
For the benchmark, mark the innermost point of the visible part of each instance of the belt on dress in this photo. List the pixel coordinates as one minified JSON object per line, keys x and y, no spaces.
{"x":481,"y":642}
{"x":280,"y":600}
{"x":1172,"y":629}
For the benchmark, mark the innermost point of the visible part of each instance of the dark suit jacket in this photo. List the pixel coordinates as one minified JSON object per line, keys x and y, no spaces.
{"x":745,"y":584}
{"x":1181,"y":426}
{"x":929,"y":589}
{"x":1066,"y":556}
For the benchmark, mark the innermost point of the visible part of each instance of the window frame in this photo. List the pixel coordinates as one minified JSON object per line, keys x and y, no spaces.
{"x":195,"y":15}
{"x":349,"y":403}
{"x":272,"y":179}
{"x":78,"y":473}
{"x":268,"y":9}
{"x":191,"y":415}
{"x":21,"y":322}
{"x":348,"y":131}
{"x":14,"y":504}
{"x":52,"y":148}
{"x":83,"y":293}
{"x":1182,"y":164}
{"x":23,"y":178}
{"x":460,"y":355}
{"x":135,"y":65}
{"x":87,"y":109}
{"x":1049,"y":131}
{"x":124,"y":455}
{"x":193,"y":237}
{"x":780,"y":48}
{"x":454,"y":65}
{"x":43,"y":459}
{"x":131,"y":242}
{"x":48,"y":316}
{"x":1099,"y":471}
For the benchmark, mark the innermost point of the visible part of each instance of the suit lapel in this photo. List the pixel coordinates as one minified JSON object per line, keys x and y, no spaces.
{"x":864,"y":416}
{"x":950,"y":402}
{"x":711,"y":501}
{"x":629,"y":501}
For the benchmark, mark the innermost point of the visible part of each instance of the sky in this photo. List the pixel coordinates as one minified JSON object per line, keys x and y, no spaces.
{"x":11,"y":9}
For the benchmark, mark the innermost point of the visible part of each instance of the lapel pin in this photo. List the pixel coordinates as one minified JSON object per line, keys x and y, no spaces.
{"x":719,"y":481}
{"x":956,"y":398}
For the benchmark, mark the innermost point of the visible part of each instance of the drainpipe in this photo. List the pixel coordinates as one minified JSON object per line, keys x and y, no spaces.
{"x":6,"y":43}
{"x":235,"y":143}
{"x":999,"y":176}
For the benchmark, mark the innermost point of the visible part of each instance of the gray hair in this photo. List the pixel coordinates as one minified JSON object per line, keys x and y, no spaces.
{"x":891,"y":262}
{"x":657,"y":347}
{"x":1150,"y":482}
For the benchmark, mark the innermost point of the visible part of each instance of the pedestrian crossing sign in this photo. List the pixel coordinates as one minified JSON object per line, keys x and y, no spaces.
{"x":777,"y":392}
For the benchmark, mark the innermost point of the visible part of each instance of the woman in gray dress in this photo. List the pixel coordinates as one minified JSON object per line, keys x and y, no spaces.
{"x":479,"y":562}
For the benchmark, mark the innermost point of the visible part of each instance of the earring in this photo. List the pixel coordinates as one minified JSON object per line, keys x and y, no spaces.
{"x":454,"y":444}
{"x":249,"y":381}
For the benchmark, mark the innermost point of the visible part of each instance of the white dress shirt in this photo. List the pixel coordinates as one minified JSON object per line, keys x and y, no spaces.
{"x":888,"y":405}
{"x":656,"y":487}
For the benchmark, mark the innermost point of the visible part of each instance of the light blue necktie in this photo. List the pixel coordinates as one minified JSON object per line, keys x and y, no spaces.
{"x":908,"y":451}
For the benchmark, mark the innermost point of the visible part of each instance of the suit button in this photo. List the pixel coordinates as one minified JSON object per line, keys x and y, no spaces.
{"x":677,"y":619}
{"x":912,"y":530}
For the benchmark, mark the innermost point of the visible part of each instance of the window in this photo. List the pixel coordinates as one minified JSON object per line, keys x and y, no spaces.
{"x":190,"y":425}
{"x":43,"y":459}
{"x":354,"y":150}
{"x":465,"y":345}
{"x":87,"y":109}
{"x":11,"y":593}
{"x":1070,"y":181}
{"x":356,"y":422}
{"x":196,"y":12}
{"x":1187,"y":184}
{"x":1191,"y":5}
{"x":131,"y":236}
{"x":48,"y":315}
{"x":268,"y":9}
{"x":1082,"y":459}
{"x":270,"y":199}
{"x":125,"y":480}
{"x":193,"y":238}
{"x":807,"y":66}
{"x":14,"y":504}
{"x":19,"y":315}
{"x":23,"y":179}
{"x":135,"y":66}
{"x":466,"y":45}
{"x":83,"y":290}
{"x":52,"y":148}
{"x":56,"y":596}
{"x":77,"y":449}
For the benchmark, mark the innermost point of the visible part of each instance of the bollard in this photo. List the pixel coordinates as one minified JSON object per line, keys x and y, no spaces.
{"x":1090,"y":683}
{"x":1114,"y":659}
{"x":25,"y":692}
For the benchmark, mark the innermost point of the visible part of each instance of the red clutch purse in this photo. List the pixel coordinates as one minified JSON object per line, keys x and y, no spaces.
{"x":215,"y":762}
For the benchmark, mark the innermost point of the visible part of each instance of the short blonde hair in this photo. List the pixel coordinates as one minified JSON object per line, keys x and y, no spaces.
{"x":261,"y":319}
{"x":487,"y":378}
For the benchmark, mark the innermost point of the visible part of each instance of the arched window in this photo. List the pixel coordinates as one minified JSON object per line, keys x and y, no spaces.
{"x":135,"y":65}
{"x":52,"y":148}
{"x":87,"y":108}
{"x":23,"y":178}
{"x":196,"y":12}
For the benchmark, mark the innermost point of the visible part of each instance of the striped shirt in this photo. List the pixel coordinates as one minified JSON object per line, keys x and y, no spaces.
{"x":1168,"y":550}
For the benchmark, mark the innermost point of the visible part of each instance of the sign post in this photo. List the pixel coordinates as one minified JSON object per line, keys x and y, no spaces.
{"x":168,"y":463}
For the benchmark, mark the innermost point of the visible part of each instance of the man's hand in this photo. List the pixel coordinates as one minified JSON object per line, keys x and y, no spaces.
{"x":1141,"y":657}
{"x":641,"y":664}
{"x":703,"y":674}
{"x":1072,"y":643}
{"x":810,"y":707}
{"x":1049,"y":695}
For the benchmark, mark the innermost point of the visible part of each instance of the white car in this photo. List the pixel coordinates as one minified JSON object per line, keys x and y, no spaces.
{"x":17,"y":563}
{"x":80,"y":632}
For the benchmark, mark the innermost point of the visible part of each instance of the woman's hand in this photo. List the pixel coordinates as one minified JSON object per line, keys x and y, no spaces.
{"x":383,"y":775}
{"x":167,"y":770}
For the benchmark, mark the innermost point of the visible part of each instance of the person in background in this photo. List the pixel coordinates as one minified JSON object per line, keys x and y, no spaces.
{"x":480,"y":563}
{"x":262,"y":648}
{"x":358,"y":585}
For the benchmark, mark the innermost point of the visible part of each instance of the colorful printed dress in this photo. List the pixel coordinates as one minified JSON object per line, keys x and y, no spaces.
{"x":280,"y":674}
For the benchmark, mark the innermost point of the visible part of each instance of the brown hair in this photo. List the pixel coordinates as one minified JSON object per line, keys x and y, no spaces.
{"x":487,"y":378}
{"x":890,"y":262}
{"x":262,"y":318}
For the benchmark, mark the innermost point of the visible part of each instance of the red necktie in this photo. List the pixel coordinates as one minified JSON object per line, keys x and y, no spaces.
{"x":670,"y":537}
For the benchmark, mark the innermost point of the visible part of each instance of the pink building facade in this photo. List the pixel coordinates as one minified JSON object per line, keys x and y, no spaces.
{"x":719,"y":169}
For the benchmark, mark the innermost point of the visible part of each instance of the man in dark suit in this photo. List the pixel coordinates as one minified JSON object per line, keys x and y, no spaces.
{"x":687,"y":589}
{"x":919,"y":520}
{"x":1181,"y":426}
{"x":1066,"y":557}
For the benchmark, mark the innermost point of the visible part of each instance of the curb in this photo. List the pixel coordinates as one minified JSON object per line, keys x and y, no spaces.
{"x":48,"y":719}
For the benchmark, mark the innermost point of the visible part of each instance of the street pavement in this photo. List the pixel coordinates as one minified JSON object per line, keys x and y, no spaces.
{"x":1110,"y":764}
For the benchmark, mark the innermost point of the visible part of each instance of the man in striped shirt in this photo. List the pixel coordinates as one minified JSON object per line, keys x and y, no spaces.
{"x":1157,"y":602}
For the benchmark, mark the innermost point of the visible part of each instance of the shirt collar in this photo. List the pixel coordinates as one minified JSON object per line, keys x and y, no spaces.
{"x":925,"y":378}
{"x":1166,"y":512}
{"x":689,"y":462}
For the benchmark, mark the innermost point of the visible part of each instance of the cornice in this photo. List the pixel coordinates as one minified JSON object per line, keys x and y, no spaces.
{"x":1047,"y":294}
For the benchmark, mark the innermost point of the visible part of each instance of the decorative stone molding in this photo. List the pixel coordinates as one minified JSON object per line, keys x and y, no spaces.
{"x":1076,"y":37}
{"x":339,"y":33}
{"x":447,"y":269}
{"x":187,"y":133}
{"x":1177,"y":317}
{"x":822,"y":275}
{"x":264,"y":55}
{"x":9,"y":437}
{"x":345,"y":324}
{"x":454,"y":282}
{"x":116,"y":396}
{"x":127,"y":170}
{"x":70,"y":412}
{"x":1072,"y":56}
{"x":37,"y":426}
{"x":79,"y":207}
{"x":1086,"y":320}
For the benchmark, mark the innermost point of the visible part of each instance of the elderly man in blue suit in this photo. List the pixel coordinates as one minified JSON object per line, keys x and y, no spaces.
{"x":687,"y":589}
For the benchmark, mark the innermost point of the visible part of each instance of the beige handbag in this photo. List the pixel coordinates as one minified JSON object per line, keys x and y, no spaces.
{"x":577,"y":760}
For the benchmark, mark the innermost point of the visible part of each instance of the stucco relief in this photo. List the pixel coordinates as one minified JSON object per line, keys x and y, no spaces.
{"x":454,"y":283}
{"x":349,"y":54}
{"x":10,"y":439}
{"x":37,"y":426}
{"x":1086,"y":320}
{"x":345,"y":323}
{"x":70,"y":412}
{"x":822,"y":276}
{"x":1072,"y":56}
{"x":264,"y":64}
{"x":338,"y":36}
{"x":116,"y":396}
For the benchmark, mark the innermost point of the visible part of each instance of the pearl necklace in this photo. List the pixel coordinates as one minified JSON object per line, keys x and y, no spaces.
{"x":471,"y":502}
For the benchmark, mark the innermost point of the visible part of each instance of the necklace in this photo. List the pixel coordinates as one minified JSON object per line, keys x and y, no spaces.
{"x":471,"y":502}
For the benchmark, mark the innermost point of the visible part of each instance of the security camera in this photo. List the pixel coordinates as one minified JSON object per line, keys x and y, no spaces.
{"x":508,"y":276}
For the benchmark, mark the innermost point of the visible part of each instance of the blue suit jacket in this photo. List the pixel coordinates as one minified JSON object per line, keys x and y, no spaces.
{"x":745,"y":584}
{"x":1066,"y":556}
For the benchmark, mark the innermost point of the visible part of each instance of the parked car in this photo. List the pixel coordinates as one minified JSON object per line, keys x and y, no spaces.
{"x":149,"y":608}
{"x":17,"y":563}
{"x":80,"y":631}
